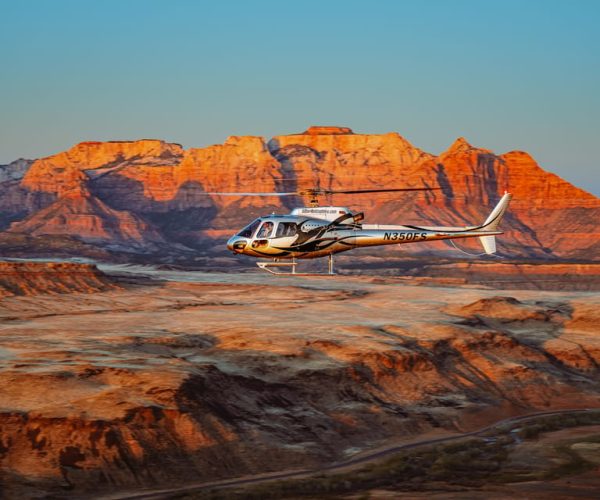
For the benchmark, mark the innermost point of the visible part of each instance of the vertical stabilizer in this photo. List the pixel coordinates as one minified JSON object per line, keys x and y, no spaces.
{"x":491,"y":224}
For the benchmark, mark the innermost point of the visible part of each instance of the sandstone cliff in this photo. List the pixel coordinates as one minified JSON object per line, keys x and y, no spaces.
{"x":140,"y":192}
{"x":59,"y":200}
{"x":78,"y":213}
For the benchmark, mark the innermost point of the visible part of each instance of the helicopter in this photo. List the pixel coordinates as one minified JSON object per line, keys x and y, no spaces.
{"x":322,"y":231}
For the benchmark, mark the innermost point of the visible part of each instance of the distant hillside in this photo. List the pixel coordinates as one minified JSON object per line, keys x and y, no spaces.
{"x":147,"y":196}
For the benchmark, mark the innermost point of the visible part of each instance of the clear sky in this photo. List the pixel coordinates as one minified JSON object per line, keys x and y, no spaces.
{"x":505,"y":74}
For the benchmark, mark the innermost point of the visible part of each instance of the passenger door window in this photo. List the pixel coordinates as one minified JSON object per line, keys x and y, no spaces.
{"x":286,"y":229}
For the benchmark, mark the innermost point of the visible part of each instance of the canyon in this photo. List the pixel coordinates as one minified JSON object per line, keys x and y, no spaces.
{"x":146,"y":199}
{"x":162,"y":378}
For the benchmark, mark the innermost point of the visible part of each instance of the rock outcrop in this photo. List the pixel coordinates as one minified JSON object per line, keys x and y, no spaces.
{"x":140,"y":192}
{"x":35,"y":278}
{"x":328,"y":130}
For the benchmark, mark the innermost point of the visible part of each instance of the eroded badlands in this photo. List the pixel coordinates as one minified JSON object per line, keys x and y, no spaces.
{"x":196,"y":376}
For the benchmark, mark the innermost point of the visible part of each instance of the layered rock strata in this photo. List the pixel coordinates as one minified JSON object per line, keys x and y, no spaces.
{"x":149,"y":386}
{"x":139,"y":193}
{"x":35,"y":278}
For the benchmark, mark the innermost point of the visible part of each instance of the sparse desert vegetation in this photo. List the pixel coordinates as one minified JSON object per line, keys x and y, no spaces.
{"x":469,"y":464}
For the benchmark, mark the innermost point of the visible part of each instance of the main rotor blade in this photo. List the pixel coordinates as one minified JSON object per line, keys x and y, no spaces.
{"x":358,"y":191}
{"x":318,"y":192}
{"x":252,"y":194}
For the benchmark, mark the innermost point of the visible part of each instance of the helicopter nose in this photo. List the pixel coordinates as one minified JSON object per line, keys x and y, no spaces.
{"x":236,"y":244}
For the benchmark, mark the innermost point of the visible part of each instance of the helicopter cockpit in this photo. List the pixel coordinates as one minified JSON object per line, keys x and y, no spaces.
{"x":266,"y":229}
{"x":261,"y":231}
{"x":250,"y":229}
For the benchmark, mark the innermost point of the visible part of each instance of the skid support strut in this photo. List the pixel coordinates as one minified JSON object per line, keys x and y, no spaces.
{"x":274,"y":266}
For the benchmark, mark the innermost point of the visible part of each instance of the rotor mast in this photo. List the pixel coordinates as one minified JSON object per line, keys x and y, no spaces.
{"x":313,"y":196}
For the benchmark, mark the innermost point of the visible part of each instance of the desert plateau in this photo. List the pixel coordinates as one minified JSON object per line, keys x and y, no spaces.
{"x":137,"y":382}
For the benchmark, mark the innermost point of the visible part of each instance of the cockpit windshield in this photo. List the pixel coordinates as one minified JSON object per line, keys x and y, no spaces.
{"x":250,"y":229}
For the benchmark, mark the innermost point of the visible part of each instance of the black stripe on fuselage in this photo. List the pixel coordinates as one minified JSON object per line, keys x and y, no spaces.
{"x":282,"y":254}
{"x":459,"y":230}
{"x":311,"y":246}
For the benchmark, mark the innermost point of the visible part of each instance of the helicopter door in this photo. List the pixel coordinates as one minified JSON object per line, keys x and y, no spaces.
{"x":263,"y":234}
{"x":286,"y":229}
{"x":286,"y":234}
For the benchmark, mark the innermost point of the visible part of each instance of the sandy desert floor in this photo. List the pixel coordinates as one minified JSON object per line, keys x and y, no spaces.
{"x":177,"y":377}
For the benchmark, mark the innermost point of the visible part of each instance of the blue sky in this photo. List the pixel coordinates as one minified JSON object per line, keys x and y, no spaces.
{"x":504,"y":74}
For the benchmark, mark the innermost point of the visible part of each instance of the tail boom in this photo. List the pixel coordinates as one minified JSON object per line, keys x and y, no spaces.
{"x":373,"y":235}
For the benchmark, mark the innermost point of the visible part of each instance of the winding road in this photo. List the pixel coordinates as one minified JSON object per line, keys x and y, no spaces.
{"x":369,"y":457}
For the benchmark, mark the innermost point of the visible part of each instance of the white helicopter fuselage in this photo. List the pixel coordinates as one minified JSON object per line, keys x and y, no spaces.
{"x":312,"y":232}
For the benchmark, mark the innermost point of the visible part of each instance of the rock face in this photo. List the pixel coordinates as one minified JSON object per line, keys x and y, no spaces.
{"x":321,"y":130}
{"x":63,"y":172}
{"x":174,"y":196}
{"x":353,"y":161}
{"x":138,"y":193}
{"x":76,"y":212}
{"x":14,"y":171}
{"x":547,"y":213}
{"x":60,"y":200}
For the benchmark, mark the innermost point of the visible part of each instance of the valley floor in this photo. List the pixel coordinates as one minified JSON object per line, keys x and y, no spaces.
{"x":171,"y":377}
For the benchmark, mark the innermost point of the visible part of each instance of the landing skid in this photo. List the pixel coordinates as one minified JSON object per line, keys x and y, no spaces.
{"x":275,"y":264}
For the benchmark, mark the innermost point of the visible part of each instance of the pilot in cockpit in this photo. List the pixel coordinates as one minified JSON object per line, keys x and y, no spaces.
{"x":265,"y":230}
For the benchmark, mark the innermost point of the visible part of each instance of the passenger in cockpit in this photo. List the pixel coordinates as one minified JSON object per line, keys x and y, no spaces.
{"x":286,"y":229}
{"x":265,"y":230}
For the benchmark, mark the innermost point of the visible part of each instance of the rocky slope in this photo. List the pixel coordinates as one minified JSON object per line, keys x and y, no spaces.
{"x":15,"y":170}
{"x":79,"y":213}
{"x":35,"y":278}
{"x":147,"y":386}
{"x":137,"y":194}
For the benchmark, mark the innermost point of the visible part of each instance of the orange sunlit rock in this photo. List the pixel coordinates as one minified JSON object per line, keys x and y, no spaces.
{"x":150,"y":190}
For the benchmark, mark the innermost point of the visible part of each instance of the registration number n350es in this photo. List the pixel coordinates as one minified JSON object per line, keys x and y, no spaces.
{"x":405,"y":236}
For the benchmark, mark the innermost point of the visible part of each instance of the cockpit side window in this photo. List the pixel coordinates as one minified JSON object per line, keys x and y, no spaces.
{"x":249,"y":230}
{"x":265,"y":230}
{"x":286,"y":229}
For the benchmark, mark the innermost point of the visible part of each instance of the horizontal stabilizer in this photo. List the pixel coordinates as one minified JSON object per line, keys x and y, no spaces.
{"x":489,"y":244}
